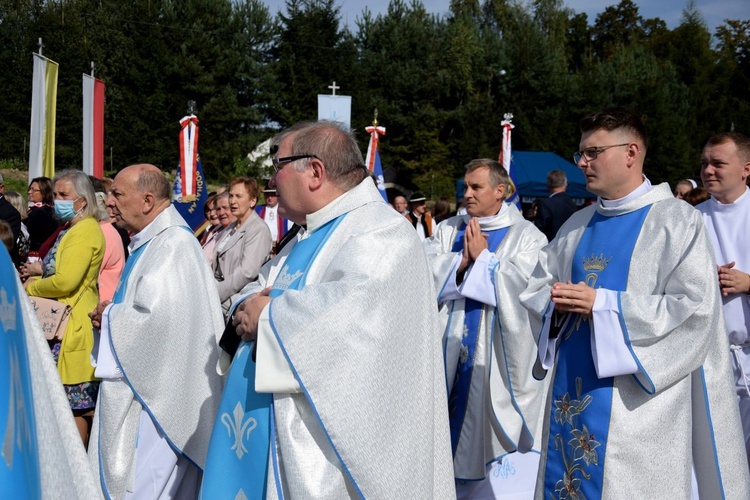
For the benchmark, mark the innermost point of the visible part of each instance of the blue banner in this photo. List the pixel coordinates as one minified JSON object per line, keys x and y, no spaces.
{"x":378,"y":172}
{"x":19,"y":460}
{"x":191,"y":211}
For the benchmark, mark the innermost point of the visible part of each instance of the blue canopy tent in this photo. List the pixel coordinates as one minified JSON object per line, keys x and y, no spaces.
{"x":530,"y":170}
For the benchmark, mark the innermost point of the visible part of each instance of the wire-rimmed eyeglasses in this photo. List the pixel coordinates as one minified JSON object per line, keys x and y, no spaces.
{"x":590,"y":154}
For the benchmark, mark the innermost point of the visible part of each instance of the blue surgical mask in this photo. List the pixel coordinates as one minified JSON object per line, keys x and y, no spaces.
{"x":64,"y":209}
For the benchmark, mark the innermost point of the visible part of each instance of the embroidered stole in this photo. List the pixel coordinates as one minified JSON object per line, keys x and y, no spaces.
{"x":237,"y":460}
{"x":581,"y":409}
{"x":458,"y":397}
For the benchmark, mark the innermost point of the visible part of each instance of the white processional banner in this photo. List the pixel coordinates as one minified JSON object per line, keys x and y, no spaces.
{"x":336,"y":108}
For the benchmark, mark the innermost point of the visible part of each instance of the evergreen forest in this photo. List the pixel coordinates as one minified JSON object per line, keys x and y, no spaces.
{"x":441,"y":82}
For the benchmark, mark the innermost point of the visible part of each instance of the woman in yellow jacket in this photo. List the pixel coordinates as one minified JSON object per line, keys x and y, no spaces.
{"x":69,"y":275}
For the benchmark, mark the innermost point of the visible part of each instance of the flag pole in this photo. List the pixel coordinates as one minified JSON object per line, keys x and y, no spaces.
{"x":505,"y":158}
{"x":372,"y":160}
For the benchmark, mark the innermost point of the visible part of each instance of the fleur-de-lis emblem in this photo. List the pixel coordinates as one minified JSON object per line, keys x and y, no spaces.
{"x":240,"y":427}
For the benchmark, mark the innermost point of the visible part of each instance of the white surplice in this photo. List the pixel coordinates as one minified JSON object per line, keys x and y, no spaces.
{"x":362,"y":410}
{"x":676,"y":409}
{"x":729,"y":228}
{"x":505,"y":402}
{"x":158,"y":355}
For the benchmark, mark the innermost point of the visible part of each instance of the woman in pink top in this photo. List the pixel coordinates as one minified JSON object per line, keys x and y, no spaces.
{"x":114,"y":253}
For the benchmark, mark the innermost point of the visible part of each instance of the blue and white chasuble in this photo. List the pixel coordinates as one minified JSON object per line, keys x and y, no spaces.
{"x":580,"y":413}
{"x":19,"y":465}
{"x":240,"y":448}
{"x":458,"y":396}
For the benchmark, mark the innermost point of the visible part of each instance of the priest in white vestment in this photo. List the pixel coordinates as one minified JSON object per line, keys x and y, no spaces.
{"x":481,"y":262}
{"x":725,"y":167}
{"x":41,"y":453}
{"x":157,"y":354}
{"x":347,"y":346}
{"x":641,"y":397}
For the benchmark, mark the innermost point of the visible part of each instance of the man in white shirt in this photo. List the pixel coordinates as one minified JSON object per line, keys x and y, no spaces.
{"x":399,"y":204}
{"x":269,"y":212}
{"x":725,"y":167}
{"x":640,"y":395}
{"x":419,"y":217}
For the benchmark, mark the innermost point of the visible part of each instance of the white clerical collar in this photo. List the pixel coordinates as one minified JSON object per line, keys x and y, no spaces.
{"x":487,"y":220}
{"x":727,"y":206}
{"x":135,"y":239}
{"x":644,"y":188}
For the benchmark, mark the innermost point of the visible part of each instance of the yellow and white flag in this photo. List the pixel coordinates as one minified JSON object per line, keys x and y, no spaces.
{"x":43,"y":113}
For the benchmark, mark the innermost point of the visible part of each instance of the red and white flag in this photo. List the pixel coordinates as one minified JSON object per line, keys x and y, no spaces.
{"x":188,"y":156}
{"x":93,"y":126}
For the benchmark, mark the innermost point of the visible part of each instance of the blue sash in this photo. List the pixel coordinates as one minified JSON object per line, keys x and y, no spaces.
{"x":458,"y":398}
{"x":19,"y":460}
{"x":582,"y":403}
{"x":238,"y":453}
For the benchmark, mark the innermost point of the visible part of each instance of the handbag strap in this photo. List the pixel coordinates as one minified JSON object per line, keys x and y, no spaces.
{"x":80,"y":295}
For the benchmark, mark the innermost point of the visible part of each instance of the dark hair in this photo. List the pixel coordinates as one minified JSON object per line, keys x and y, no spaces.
{"x":441,"y":210}
{"x":45,"y":188}
{"x":556,"y":179}
{"x":98,"y":184}
{"x":209,"y":201}
{"x":6,"y":235}
{"x":612,"y":119}
{"x":697,"y":196}
{"x":740,"y":140}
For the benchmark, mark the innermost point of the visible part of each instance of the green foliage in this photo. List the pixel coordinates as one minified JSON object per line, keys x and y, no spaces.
{"x":441,"y":83}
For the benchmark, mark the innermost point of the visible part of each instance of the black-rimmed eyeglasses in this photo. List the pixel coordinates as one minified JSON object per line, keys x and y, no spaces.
{"x":590,"y":154}
{"x":278,"y":163}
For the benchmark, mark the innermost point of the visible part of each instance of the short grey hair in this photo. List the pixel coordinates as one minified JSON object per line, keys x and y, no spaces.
{"x":556,"y":179}
{"x":335,"y":147}
{"x":498,"y":174}
{"x":150,"y":181}
{"x":83,"y":189}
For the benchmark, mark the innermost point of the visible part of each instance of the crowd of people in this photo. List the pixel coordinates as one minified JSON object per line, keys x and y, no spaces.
{"x":328,"y":345}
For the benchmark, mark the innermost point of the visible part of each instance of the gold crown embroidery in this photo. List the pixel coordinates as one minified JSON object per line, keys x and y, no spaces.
{"x":595,"y":263}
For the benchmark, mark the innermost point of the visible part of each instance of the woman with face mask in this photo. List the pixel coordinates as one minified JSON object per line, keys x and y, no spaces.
{"x":69,"y":275}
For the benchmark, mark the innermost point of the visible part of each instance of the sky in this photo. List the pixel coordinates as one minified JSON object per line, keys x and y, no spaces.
{"x":714,"y":11}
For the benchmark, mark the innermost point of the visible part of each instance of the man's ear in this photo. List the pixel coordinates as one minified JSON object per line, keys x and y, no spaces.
{"x":149,"y":201}
{"x":319,"y":173}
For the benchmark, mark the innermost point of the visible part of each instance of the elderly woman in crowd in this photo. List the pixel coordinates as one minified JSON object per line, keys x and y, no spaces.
{"x":225,"y":219}
{"x":246,"y":245}
{"x":69,"y":275}
{"x":41,"y":221}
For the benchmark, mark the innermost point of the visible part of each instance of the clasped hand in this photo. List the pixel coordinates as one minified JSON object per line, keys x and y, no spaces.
{"x":573,"y":298}
{"x":732,"y":280}
{"x":475,"y":242}
{"x":246,"y":316}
